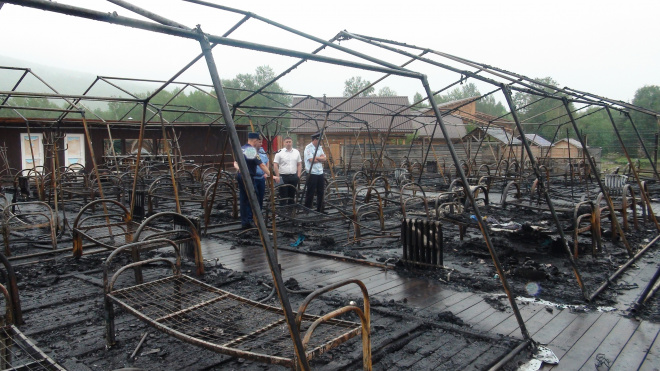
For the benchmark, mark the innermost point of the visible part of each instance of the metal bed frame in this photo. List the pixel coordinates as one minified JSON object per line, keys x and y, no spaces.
{"x":205,"y":316}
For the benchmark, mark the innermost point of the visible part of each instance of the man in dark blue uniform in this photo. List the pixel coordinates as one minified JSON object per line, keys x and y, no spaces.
{"x":253,"y":160}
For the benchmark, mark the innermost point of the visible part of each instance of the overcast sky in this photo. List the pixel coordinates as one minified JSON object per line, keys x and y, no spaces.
{"x":607,"y":47}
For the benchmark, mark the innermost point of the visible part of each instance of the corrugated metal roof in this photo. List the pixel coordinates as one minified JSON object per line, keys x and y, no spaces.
{"x":454,"y":125}
{"x":355,"y":114}
{"x":538,"y":140}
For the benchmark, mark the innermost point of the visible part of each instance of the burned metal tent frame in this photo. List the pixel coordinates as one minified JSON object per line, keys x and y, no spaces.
{"x":508,"y":82}
{"x":512,"y":81}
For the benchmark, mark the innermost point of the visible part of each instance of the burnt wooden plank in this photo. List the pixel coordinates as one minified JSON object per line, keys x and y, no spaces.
{"x":582,"y":349}
{"x":436,"y":358}
{"x":479,"y":354}
{"x":633,"y":354}
{"x":412,"y":350}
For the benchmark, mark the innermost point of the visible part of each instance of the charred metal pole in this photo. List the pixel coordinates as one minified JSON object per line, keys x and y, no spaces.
{"x":138,"y":155}
{"x":482,"y":223}
{"x":166,"y":144}
{"x":592,"y":164}
{"x":254,"y":204}
{"x":570,"y":163}
{"x":34,"y":163}
{"x":548,"y":200}
{"x":379,"y":66}
{"x":645,"y":293}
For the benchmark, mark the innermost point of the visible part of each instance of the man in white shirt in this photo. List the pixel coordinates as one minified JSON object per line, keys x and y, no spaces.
{"x":315,"y":183}
{"x":288,"y":166}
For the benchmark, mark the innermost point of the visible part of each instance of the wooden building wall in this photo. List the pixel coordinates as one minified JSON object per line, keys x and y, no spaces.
{"x":195,"y":141}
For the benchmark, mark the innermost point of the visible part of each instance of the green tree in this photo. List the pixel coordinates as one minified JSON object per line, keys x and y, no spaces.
{"x":386,"y":91}
{"x":417,"y":98}
{"x":647,"y":97}
{"x":464,"y":91}
{"x":536,"y":108}
{"x":35,"y":102}
{"x":355,"y":84}
{"x":596,"y":125}
{"x":490,"y":106}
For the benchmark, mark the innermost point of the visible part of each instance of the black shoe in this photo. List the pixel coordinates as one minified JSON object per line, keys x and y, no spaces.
{"x":246,"y":226}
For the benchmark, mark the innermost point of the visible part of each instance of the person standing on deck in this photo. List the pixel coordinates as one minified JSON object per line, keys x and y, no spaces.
{"x":287,"y":164}
{"x":315,"y":183}
{"x":253,"y":160}
{"x":260,"y":181}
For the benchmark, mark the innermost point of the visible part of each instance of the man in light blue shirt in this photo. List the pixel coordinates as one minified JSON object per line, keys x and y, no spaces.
{"x":260,"y":180}
{"x":314,"y":159}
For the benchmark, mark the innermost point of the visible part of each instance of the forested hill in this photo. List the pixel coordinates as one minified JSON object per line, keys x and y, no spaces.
{"x":66,"y":81}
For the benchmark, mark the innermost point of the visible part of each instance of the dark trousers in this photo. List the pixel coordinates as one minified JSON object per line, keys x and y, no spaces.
{"x":288,"y":193}
{"x":245,"y":209}
{"x":315,"y":185}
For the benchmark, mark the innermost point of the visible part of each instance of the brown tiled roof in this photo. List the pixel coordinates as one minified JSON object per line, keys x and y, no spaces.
{"x":355,"y":114}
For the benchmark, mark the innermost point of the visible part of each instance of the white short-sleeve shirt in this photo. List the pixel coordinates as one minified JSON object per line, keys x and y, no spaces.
{"x":288,"y":161}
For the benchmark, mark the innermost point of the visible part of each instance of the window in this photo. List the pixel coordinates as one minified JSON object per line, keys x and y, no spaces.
{"x":32,"y":151}
{"x":74,"y":149}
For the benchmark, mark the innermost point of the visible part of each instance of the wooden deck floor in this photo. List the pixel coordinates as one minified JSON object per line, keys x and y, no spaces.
{"x":583,"y":340}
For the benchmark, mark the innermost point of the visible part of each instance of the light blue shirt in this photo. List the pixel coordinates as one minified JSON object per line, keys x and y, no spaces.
{"x":264,"y":160}
{"x":317,"y":169}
